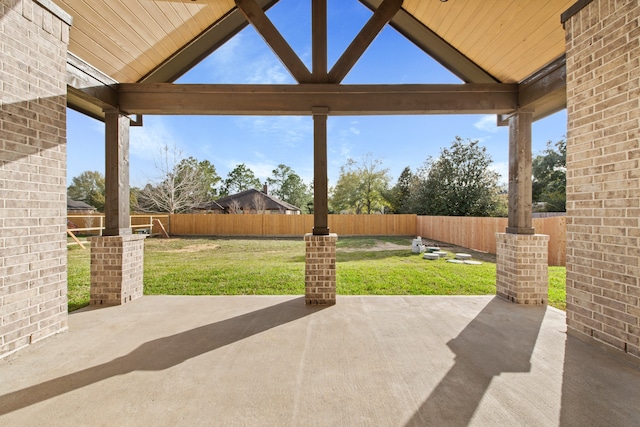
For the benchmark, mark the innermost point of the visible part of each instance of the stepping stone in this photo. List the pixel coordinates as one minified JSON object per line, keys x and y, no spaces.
{"x":431,"y":256}
{"x":432,"y":248}
{"x":471,"y":262}
{"x":455,"y":261}
{"x":463,"y":256}
{"x":441,"y":254}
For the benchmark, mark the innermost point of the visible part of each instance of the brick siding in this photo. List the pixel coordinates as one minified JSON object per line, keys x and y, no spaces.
{"x":603,"y":173}
{"x":320,"y":269}
{"x":522,"y":272}
{"x":33,"y":255}
{"x":116,"y":269}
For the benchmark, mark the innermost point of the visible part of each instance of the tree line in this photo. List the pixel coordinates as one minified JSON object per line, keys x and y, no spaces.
{"x":458,"y":182}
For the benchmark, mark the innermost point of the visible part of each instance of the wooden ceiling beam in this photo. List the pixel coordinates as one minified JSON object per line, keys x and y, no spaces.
{"x":380,"y":18}
{"x":544,"y":92}
{"x":206,"y":99}
{"x":256,"y":16}
{"x":89,"y":91}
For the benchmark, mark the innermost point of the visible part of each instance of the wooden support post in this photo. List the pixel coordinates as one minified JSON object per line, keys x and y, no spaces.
{"x":520,"y":193}
{"x":320,"y":182}
{"x":116,"y":207}
{"x":319,"y":40}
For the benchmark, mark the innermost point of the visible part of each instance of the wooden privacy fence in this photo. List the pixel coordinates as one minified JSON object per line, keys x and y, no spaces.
{"x":480,"y":233}
{"x":469,"y":232}
{"x":289,"y":225}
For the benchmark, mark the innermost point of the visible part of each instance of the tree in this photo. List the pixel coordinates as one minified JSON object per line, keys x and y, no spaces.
{"x":459,"y":182}
{"x":258,"y":203}
{"x":210,"y":178}
{"x":88,"y":187}
{"x":549,"y":184}
{"x":182,"y":185}
{"x":287,"y":186}
{"x":361,"y":186}
{"x":241,"y":178}
{"x":399,"y":196}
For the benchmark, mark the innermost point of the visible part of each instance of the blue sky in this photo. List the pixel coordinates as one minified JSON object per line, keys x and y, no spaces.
{"x":262,"y":143}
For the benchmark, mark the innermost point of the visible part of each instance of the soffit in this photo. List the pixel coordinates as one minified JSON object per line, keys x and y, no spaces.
{"x":509,"y":39}
{"x":127,"y":39}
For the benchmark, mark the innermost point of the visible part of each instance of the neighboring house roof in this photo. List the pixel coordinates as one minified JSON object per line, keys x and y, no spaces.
{"x":74,"y":205}
{"x":246,"y":198}
{"x":209,"y":206}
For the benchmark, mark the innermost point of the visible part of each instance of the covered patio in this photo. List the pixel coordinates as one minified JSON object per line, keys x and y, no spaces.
{"x":307,"y":360}
{"x":366,"y":361}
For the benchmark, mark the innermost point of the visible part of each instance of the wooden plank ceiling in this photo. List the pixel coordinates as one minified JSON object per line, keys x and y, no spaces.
{"x":510,"y":39}
{"x":129,"y":40}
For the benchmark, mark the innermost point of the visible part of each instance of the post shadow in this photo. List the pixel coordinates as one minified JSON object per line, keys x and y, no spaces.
{"x":598,"y":388}
{"x":500,"y":339}
{"x":165,"y":352}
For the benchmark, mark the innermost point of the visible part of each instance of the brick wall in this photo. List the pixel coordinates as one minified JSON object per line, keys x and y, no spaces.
{"x":603,"y":173}
{"x":116,"y":269}
{"x":522,"y":268}
{"x":33,"y":262}
{"x":320,"y":269}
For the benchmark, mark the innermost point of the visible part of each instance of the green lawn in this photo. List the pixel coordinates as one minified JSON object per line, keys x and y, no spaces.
{"x":365,"y":266}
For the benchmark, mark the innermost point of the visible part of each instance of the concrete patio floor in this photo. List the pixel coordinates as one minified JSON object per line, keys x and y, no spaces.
{"x":367,"y":361}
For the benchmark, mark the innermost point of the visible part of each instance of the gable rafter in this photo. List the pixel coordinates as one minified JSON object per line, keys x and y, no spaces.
{"x":256,"y":16}
{"x":201,"y":46}
{"x":361,"y":42}
{"x":436,"y":47}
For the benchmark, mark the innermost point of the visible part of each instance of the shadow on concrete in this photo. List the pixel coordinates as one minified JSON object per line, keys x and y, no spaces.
{"x":610,"y":385}
{"x":163,"y":353}
{"x":500,"y":339}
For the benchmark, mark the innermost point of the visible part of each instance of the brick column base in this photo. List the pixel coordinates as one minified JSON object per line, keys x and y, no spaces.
{"x":320,"y":269}
{"x":116,"y":269}
{"x":522,"y":268}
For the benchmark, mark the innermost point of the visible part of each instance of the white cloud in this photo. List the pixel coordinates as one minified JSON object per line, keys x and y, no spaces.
{"x":503,"y":169}
{"x":287,"y":131}
{"x":245,"y":59}
{"x":261,"y":169}
{"x":487,"y":123}
{"x":268,"y":71}
{"x":149,"y":140}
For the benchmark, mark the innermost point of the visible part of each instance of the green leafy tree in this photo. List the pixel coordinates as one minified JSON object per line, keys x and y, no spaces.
{"x":549,"y":185}
{"x":459,"y":182}
{"x":88,"y":187}
{"x":208,"y":175}
{"x":361,"y":186}
{"x":241,"y":178}
{"x":287,"y":186}
{"x":400,"y":196}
